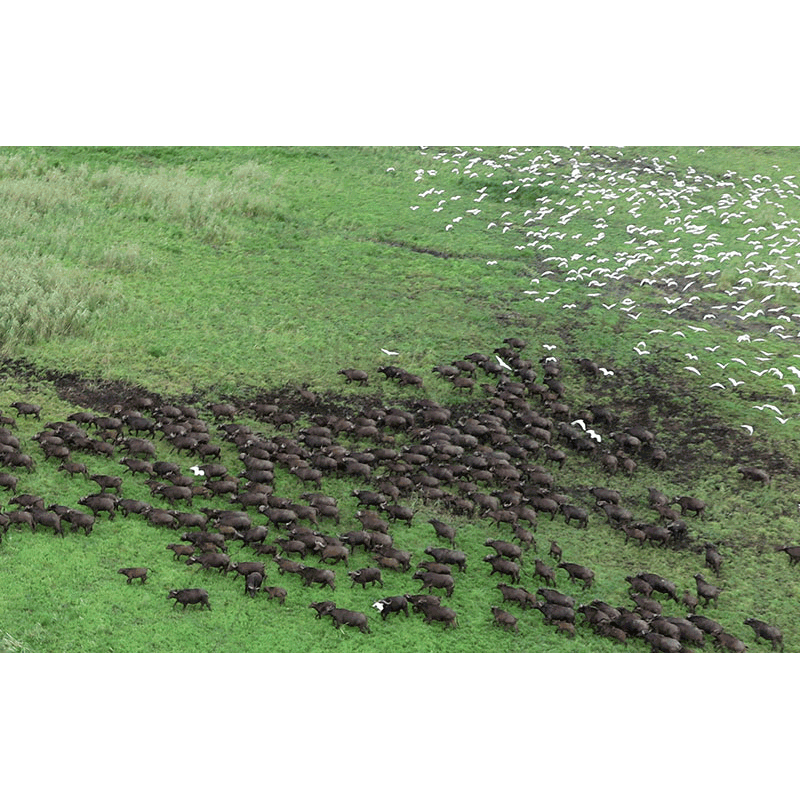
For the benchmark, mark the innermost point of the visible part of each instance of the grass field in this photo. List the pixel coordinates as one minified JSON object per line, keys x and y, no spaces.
{"x":192,"y":275}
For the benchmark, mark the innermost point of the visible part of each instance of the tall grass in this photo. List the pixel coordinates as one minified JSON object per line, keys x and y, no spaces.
{"x":8,"y":644}
{"x":41,"y":301}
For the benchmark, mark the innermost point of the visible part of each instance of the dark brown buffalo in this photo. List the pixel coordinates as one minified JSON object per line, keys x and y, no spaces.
{"x":342,"y":616}
{"x":134,"y":572}
{"x":366,"y":575}
{"x":189,"y":597}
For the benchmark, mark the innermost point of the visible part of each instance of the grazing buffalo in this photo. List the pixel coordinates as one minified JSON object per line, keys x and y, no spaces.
{"x":246,"y":568}
{"x":707,"y":591}
{"x":440,"y":613}
{"x":792,"y":551}
{"x":366,"y":575}
{"x":391,"y":605}
{"x":766,"y":631}
{"x":342,"y":616}
{"x":134,"y":572}
{"x":252,"y":583}
{"x":357,"y":375}
{"x":504,"y":619}
{"x":322,"y":607}
{"x":311,"y":575}
{"x":690,"y":504}
{"x":754,"y":474}
{"x":179,"y":550}
{"x":577,"y":572}
{"x":504,"y":567}
{"x":189,"y":597}
{"x":444,"y":556}
{"x":104,"y":501}
{"x":274,"y":592}
{"x":218,"y":561}
{"x":435,"y":580}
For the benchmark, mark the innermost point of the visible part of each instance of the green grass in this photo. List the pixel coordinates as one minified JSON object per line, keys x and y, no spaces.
{"x":200,"y":273}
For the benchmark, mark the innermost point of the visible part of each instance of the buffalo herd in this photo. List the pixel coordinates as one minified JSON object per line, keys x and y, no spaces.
{"x":494,"y":456}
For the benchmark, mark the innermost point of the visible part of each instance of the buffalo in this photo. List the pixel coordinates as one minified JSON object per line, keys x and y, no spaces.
{"x":189,"y":597}
{"x":435,"y":580}
{"x":366,"y":575}
{"x":504,"y":619}
{"x":342,"y":616}
{"x":134,"y":572}
{"x":274,"y":592}
{"x":504,"y":567}
{"x":313,"y":575}
{"x":766,"y":631}
{"x":391,"y":605}
{"x":440,"y":613}
{"x":252,"y":583}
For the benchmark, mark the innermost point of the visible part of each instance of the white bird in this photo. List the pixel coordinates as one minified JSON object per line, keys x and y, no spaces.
{"x":740,"y":360}
{"x":693,"y":369}
{"x":580,"y":423}
{"x":691,"y":357}
{"x":197,"y":471}
{"x":503,"y":363}
{"x":735,"y":382}
{"x":606,"y":372}
{"x":712,"y":349}
{"x":748,"y":428}
{"x":782,"y":420}
{"x":790,"y":387}
{"x":716,"y":386}
{"x":594,"y":435}
{"x":390,"y":352}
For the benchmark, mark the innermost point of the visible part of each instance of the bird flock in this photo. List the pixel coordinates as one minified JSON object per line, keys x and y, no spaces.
{"x":715,"y":255}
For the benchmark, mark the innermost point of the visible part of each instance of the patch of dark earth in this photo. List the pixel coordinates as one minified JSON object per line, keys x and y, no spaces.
{"x":109,"y":395}
{"x":660,"y":412}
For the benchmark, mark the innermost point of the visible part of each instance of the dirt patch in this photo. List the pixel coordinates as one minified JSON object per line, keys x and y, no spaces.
{"x":104,"y":395}
{"x":414,"y":249}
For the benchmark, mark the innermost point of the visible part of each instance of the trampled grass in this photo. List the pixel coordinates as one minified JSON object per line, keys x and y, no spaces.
{"x":203,"y":273}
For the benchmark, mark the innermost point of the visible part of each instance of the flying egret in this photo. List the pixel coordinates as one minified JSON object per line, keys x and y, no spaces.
{"x":390,"y":352}
{"x":503,"y":363}
{"x":748,"y":428}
